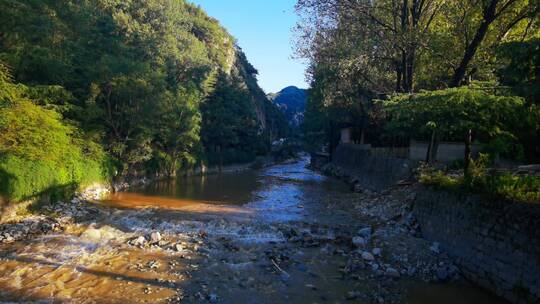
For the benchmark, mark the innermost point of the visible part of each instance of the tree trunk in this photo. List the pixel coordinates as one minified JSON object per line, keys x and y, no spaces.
{"x":399,"y":77}
{"x":430,"y":147}
{"x":489,"y":16}
{"x":331,"y":140}
{"x":468,"y":152}
{"x":435,"y":148}
{"x":409,"y":86}
{"x":172,"y":169}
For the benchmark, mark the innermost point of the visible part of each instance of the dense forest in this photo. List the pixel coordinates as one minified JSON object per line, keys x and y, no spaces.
{"x":429,"y":70}
{"x":91,"y":90}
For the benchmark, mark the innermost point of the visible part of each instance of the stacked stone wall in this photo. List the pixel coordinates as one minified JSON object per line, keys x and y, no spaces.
{"x":495,"y":243}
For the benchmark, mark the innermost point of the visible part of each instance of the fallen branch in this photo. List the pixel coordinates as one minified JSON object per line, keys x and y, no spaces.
{"x":278,"y":268}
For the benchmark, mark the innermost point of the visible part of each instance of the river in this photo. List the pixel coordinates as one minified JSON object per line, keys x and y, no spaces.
{"x":282,"y":234}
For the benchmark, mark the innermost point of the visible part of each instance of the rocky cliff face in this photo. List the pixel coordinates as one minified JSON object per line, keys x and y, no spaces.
{"x":271,"y":121}
{"x":292,"y":102}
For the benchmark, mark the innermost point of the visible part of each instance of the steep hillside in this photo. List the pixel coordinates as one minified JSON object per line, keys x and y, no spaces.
{"x":138,"y":83}
{"x":292,"y":102}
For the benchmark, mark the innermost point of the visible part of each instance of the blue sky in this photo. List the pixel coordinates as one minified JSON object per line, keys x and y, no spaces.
{"x":263,"y":30}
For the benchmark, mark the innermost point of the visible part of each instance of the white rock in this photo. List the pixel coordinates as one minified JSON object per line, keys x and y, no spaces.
{"x":139,"y":241}
{"x":376,"y":251}
{"x":155,"y":237}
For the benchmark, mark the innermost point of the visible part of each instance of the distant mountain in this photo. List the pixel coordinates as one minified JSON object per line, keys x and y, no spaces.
{"x":292,"y":102}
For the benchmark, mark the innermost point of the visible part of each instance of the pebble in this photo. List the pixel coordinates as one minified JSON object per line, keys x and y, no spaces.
{"x":392,"y":272}
{"x":359,"y":241}
{"x":365,"y":232}
{"x":367,"y":256}
{"x":435,"y":248}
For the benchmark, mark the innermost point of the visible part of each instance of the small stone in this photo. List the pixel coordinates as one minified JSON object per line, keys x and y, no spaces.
{"x":367,"y":256}
{"x":365,"y":232}
{"x":359,"y":241}
{"x":391,"y":272}
{"x":178,"y":247}
{"x":376,"y":251}
{"x":212,"y":297}
{"x":311,"y":286}
{"x":141,"y":240}
{"x":435,"y":248}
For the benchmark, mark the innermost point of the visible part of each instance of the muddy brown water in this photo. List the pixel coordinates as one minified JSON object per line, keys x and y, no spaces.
{"x":242,"y":214}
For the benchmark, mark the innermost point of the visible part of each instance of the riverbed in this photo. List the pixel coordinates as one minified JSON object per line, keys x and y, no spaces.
{"x":282,"y":234}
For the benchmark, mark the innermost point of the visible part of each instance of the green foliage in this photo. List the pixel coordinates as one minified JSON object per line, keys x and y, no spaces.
{"x":519,"y":68}
{"x":361,"y":50}
{"x":452,"y":112}
{"x":41,"y":153}
{"x":126,"y":77}
{"x":518,"y":188}
{"x":229,"y":128}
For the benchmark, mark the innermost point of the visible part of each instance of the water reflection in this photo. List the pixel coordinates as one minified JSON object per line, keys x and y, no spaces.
{"x":229,"y":188}
{"x":277,"y":193}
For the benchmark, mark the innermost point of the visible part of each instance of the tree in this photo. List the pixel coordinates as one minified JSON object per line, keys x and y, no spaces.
{"x":454,"y":113}
{"x":229,"y":124}
{"x":491,"y":11}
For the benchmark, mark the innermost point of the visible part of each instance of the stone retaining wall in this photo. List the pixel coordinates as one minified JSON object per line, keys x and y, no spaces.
{"x":496,"y":243}
{"x":367,"y":169}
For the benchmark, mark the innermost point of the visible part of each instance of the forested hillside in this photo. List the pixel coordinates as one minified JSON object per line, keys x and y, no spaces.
{"x":91,"y":89}
{"x":292,"y":102}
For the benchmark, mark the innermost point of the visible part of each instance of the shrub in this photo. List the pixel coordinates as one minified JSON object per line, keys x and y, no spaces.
{"x":39,"y":152}
{"x":517,"y":188}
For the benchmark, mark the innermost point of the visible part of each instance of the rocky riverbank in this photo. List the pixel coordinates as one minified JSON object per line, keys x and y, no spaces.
{"x":342,"y":246}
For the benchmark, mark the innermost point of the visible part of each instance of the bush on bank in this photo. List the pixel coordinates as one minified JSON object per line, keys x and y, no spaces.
{"x":41,"y":153}
{"x":505,"y":185}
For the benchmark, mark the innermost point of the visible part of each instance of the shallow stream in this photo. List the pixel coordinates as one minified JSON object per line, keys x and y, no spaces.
{"x":278,"y":235}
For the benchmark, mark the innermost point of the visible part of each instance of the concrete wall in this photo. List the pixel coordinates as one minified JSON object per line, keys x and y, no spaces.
{"x":447,"y":151}
{"x":360,"y":165}
{"x":495,"y":243}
